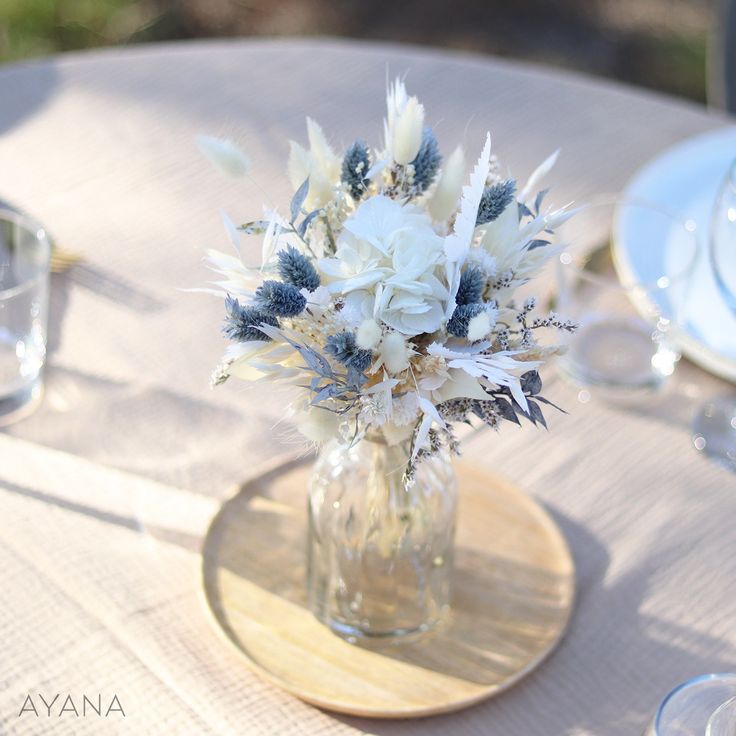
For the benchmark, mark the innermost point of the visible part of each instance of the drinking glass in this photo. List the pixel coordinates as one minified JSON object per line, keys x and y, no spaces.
{"x":24,"y":274}
{"x":703,"y":706}
{"x":624,"y":344}
{"x":714,"y":428}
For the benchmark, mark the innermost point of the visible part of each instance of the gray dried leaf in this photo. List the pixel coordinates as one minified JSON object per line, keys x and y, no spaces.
{"x":298,"y":200}
{"x":531,"y":382}
{"x":506,"y":410}
{"x":306,"y":222}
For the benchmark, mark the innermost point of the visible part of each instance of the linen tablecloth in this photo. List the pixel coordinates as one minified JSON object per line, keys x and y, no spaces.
{"x":106,"y":492}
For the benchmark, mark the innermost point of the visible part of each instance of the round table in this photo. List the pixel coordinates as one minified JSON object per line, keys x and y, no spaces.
{"x":106,"y":491}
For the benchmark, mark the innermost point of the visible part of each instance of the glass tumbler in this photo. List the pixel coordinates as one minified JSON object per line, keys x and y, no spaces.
{"x":25,"y":251}
{"x":703,"y":706}
{"x":627,"y":313}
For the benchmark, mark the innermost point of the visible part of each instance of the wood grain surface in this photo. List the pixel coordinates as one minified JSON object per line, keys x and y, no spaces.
{"x":514,"y":589}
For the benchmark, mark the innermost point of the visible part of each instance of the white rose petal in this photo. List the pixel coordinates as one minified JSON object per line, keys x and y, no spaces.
{"x":320,"y":297}
{"x":387,"y":265}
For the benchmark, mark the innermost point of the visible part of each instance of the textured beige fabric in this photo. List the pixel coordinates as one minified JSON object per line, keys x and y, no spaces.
{"x":106,"y":492}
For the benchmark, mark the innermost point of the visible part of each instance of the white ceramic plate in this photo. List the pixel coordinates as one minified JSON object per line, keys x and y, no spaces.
{"x":684,"y":180}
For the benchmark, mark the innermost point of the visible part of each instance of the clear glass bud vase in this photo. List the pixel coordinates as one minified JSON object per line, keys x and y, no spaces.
{"x":380,"y":549}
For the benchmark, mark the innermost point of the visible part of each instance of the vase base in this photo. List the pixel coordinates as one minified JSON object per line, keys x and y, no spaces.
{"x":513,"y":590}
{"x":376,"y":638}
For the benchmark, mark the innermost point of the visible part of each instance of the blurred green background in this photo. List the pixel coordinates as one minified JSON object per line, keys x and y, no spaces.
{"x":659,"y":44}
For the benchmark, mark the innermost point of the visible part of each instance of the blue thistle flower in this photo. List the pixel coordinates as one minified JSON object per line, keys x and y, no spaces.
{"x":355,"y":166}
{"x":495,"y":200}
{"x":296,"y":269}
{"x":344,"y":349}
{"x":427,"y":161}
{"x":472,"y":283}
{"x":241,"y":323}
{"x":279,"y":299}
{"x":458,"y":323}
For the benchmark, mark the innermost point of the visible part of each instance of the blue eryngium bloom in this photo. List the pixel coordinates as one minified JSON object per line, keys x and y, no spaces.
{"x":495,"y":200}
{"x":472,"y":283}
{"x":458,"y":323}
{"x":427,"y":161}
{"x":296,"y":269}
{"x":279,"y":299}
{"x":344,"y":349}
{"x":355,"y":166}
{"x":242,"y":323}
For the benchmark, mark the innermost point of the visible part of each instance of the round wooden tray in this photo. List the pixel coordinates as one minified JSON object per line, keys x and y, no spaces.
{"x":513,"y":593}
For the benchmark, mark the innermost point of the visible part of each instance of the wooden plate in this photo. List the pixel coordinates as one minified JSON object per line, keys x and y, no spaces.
{"x":513,"y":593}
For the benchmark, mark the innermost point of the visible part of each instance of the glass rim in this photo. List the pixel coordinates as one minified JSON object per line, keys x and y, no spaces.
{"x":684,"y":686}
{"x":730,"y":175}
{"x":39,"y":234}
{"x":616,"y":281}
{"x":727,"y":187}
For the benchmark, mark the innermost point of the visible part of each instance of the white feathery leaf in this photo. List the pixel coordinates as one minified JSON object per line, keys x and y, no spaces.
{"x":457,"y":243}
{"x":377,"y":168}
{"x":223,"y":262}
{"x":273,"y":332}
{"x":270,"y":240}
{"x":224,"y":155}
{"x":318,"y":145}
{"x":232,"y":231}
{"x":563,"y":214}
{"x":395,"y":100}
{"x":537,"y":175}
{"x":431,"y":415}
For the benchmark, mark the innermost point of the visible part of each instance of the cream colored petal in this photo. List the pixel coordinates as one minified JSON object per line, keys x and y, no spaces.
{"x":444,"y":199}
{"x":300,"y":164}
{"x":459,"y":385}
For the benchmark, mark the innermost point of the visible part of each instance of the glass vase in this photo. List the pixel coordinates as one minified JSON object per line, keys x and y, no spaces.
{"x":380,"y":548}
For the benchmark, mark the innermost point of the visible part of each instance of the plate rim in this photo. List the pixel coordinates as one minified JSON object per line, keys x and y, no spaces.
{"x":694,"y":349}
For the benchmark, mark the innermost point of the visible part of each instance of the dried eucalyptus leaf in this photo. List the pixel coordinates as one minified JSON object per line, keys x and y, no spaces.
{"x":539,"y":199}
{"x":327,"y":392}
{"x":506,"y":410}
{"x":298,"y":200}
{"x":535,"y":413}
{"x":550,"y":403}
{"x":355,"y":378}
{"x":531,"y":382}
{"x":306,"y":222}
{"x":315,"y":361}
